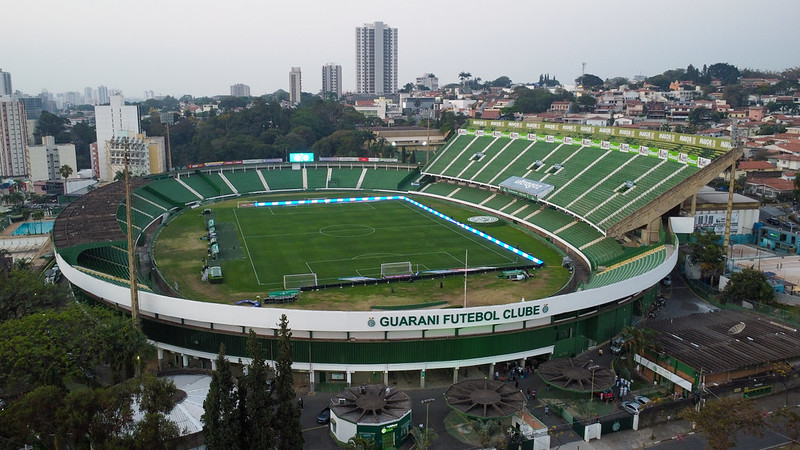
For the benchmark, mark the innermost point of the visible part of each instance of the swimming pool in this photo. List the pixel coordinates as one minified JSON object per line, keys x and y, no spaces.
{"x":26,"y":228}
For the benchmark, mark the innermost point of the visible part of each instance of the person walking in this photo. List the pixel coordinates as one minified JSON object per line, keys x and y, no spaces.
{"x":300,"y":402}
{"x":546,"y":410}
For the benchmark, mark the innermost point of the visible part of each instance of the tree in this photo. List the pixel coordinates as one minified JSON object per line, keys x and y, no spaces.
{"x":488,"y":433}
{"x":289,"y":434}
{"x":464,"y":76}
{"x":423,"y":438}
{"x":51,"y":125}
{"x":360,"y":443}
{"x":257,"y":428}
{"x":705,"y":249}
{"x":589,"y":81}
{"x":719,"y":418}
{"x":724,"y":72}
{"x":220,"y":419}
{"x":155,"y":401}
{"x":749,"y":284}
{"x":65,"y":171}
{"x":503,"y":81}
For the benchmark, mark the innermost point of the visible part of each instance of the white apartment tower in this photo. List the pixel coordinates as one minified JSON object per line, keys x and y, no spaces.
{"x":5,"y":83}
{"x":14,"y":157}
{"x":113,"y":120}
{"x":332,"y":79}
{"x":376,"y":59}
{"x":295,"y":85}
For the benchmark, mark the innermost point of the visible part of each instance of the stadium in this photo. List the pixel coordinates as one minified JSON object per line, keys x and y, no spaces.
{"x":597,"y":201}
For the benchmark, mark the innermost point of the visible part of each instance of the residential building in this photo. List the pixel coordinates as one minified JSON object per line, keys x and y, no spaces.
{"x":113,"y":120}
{"x":240,"y":90}
{"x":102,"y":95}
{"x":332,"y":79}
{"x":47,"y":159}
{"x":376,"y":59}
{"x":14,"y":157}
{"x":295,"y":85}
{"x":5,"y":83}
{"x":88,"y":96}
{"x":428,"y":80}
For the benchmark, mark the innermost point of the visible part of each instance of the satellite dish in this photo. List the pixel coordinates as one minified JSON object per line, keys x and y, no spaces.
{"x":736,"y":329}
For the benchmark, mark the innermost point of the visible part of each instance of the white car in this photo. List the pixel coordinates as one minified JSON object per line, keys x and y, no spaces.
{"x":642,"y":400}
{"x":630,"y":407}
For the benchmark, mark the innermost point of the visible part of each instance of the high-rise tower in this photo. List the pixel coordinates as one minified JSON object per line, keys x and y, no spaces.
{"x":332,"y":79}
{"x":376,"y":59}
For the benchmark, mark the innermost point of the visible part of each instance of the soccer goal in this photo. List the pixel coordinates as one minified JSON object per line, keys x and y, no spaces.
{"x":299,"y":280}
{"x":398,"y":269}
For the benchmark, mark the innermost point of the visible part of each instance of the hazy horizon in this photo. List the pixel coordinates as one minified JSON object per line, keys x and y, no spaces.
{"x":201,"y":48}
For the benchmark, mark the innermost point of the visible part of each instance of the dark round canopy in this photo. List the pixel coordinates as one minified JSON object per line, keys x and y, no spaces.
{"x":580,"y":374}
{"x":486,"y":399}
{"x":371,"y":404}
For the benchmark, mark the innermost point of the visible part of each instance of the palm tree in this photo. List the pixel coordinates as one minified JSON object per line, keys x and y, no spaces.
{"x":65,"y":171}
{"x":639,"y":340}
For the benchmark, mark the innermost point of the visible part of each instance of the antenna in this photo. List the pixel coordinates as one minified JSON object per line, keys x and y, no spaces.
{"x":583,"y":72}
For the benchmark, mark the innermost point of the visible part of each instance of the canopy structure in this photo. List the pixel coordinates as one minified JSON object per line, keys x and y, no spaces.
{"x":580,"y":374}
{"x":485,"y":399}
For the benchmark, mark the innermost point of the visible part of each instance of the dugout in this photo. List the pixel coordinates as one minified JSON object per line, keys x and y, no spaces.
{"x":215,"y":274}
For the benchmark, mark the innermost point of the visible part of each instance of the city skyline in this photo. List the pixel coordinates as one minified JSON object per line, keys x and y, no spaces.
{"x":210,"y":53}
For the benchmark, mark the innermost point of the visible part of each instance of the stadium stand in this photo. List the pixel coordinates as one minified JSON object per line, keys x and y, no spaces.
{"x":283,"y":179}
{"x":246,"y":182}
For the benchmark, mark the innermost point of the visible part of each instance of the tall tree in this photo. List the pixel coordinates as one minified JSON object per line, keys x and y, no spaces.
{"x":749,"y":284}
{"x":720,"y":418}
{"x":257,"y":429}
{"x":220,"y":419}
{"x":705,"y":249}
{"x":65,"y":171}
{"x":287,"y":416}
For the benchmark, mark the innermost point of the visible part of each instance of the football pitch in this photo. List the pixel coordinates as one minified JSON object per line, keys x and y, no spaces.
{"x":352,"y":240}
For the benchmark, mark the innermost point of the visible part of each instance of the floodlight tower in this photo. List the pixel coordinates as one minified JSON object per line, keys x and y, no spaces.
{"x":168,"y":118}
{"x":126,"y":144}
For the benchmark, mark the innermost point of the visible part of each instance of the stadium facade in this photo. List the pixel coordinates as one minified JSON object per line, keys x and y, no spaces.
{"x":612,"y":283}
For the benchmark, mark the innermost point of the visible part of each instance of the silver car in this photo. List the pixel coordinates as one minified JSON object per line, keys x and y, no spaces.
{"x":631,"y":407}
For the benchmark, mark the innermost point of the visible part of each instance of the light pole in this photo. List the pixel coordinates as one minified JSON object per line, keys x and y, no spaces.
{"x":592,"y":368}
{"x":427,"y":403}
{"x":126,"y":143}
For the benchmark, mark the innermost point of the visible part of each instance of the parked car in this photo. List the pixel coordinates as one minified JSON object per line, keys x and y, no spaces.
{"x":667,"y":281}
{"x":617,"y":344}
{"x":642,"y":400}
{"x":324,"y":416}
{"x":630,"y":407}
{"x":774,"y":221}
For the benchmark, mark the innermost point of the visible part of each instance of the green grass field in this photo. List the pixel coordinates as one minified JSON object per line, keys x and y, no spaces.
{"x":353,"y":240}
{"x":258,"y":246}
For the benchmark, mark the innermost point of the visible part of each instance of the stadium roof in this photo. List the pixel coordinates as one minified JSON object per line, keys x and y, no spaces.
{"x":711,"y":342}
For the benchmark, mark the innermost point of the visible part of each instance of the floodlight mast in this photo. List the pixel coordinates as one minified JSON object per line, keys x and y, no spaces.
{"x":126,"y":145}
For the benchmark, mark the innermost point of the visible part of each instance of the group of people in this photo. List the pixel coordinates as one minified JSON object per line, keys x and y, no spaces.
{"x":624,"y":386}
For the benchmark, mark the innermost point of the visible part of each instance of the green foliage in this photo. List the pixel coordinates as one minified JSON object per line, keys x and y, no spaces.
{"x":221,"y":417}
{"x":719,"y":417}
{"x":423,"y":438}
{"x":589,"y":81}
{"x":42,"y":352}
{"x":749,"y":284}
{"x":51,"y":125}
{"x":488,"y":432}
{"x":22,"y":293}
{"x":705,"y":249}
{"x":287,"y":415}
{"x":769,"y":128}
{"x":257,"y":428}
{"x":502,"y":81}
{"x":537,"y":100}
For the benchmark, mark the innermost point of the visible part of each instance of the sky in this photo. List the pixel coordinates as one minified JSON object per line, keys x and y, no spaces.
{"x":202,"y":47}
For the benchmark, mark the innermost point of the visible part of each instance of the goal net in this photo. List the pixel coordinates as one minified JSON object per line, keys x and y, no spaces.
{"x":398,"y":269}
{"x":299,"y":280}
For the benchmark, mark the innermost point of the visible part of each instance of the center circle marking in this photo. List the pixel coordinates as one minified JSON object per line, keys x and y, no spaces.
{"x":347,"y":230}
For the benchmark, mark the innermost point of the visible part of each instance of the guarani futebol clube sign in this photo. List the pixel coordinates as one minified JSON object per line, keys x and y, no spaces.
{"x":452,"y":318}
